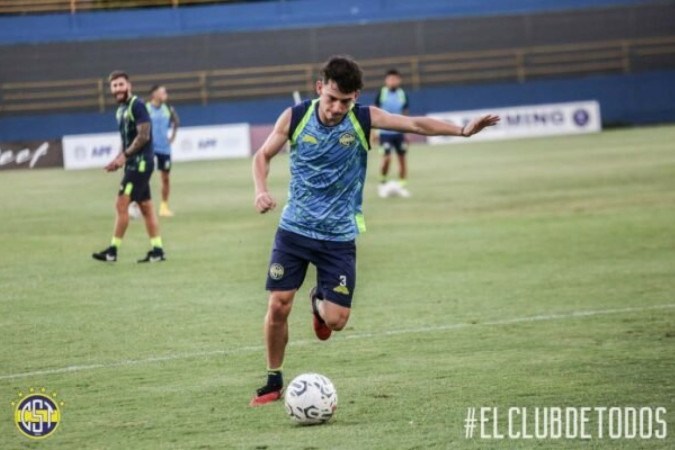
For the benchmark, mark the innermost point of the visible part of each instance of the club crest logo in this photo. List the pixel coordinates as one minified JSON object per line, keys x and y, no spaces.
{"x":347,"y":139}
{"x":37,"y":414}
{"x":276,"y":271}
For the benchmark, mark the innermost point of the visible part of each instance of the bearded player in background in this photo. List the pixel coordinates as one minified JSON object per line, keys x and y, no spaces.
{"x":137,"y":158}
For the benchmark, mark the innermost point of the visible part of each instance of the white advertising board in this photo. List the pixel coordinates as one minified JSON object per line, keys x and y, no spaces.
{"x":84,"y":151}
{"x":212,"y":142}
{"x":528,"y":121}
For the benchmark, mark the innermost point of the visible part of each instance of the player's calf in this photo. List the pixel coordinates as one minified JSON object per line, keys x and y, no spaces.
{"x":276,"y":335}
{"x":122,"y":207}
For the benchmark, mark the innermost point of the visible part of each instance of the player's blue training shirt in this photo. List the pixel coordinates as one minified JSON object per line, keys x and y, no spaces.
{"x":161,"y":123}
{"x":129,"y":115}
{"x":393,"y":101}
{"x":328,"y":170}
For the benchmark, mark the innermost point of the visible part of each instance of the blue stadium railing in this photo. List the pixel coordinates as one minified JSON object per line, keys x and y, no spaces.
{"x":473,"y":67}
{"x":629,"y":99}
{"x":262,"y":15}
{"x":75,"y":6}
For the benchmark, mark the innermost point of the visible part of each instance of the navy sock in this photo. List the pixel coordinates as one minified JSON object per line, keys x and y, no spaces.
{"x":275,"y":378}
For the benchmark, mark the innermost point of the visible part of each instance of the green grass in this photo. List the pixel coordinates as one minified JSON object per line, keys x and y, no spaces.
{"x":167,"y":356}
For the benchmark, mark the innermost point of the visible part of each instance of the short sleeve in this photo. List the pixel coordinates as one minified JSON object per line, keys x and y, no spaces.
{"x":140,"y":111}
{"x":406,"y":105}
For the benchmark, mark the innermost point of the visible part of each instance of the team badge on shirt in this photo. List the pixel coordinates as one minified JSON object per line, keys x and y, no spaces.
{"x":347,"y":139}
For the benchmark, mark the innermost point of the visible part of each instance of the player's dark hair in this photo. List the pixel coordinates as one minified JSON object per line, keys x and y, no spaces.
{"x":393,"y":72}
{"x":115,"y":74}
{"x":345,"y":72}
{"x":154,"y":88}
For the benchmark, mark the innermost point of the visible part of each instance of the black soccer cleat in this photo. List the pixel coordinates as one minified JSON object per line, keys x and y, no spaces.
{"x":107,"y":255}
{"x":272,"y":391}
{"x":154,"y":255}
{"x":267,"y":394}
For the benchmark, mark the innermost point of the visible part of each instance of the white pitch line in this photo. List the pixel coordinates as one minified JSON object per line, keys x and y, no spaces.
{"x":258,"y":348}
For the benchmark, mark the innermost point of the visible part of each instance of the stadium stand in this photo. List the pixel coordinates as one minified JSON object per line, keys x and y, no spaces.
{"x":203,"y":87}
{"x":73,"y":6}
{"x":446,"y":56}
{"x":256,"y":16}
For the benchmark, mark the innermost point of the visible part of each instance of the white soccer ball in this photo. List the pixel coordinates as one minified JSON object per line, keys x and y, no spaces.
{"x":134,"y":211}
{"x":311,"y":399}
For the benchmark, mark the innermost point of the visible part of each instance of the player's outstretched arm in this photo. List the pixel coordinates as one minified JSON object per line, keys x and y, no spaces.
{"x":428,"y":126}
{"x":261,"y":161}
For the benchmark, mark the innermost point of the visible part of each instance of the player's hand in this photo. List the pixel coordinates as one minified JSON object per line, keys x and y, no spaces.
{"x":264,"y":202}
{"x":116,"y":163}
{"x":477,"y":124}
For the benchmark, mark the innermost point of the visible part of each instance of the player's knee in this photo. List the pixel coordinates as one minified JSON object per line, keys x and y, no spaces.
{"x":122,"y":206}
{"x":278,"y":312}
{"x":279,"y":307}
{"x":338,"y":320}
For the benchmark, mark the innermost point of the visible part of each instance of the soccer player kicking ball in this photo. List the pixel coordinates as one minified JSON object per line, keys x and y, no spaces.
{"x":328,"y":155}
{"x":137,"y":158}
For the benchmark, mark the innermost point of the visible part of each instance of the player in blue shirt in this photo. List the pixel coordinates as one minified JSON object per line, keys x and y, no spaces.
{"x":137,"y":158}
{"x":164,"y":127}
{"x":328,"y":154}
{"x":393,"y":99}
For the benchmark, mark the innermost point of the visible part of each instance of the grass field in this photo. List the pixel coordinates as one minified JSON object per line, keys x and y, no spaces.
{"x":524,"y":273}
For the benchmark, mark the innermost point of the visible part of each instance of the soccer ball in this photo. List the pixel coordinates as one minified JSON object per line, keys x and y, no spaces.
{"x":134,"y":211}
{"x":311,"y":399}
{"x":392,"y":189}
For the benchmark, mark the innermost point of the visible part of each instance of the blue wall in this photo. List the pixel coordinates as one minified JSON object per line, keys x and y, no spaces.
{"x":125,"y":24}
{"x":635,"y":99}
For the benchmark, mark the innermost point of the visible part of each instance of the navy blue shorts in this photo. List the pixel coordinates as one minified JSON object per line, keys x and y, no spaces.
{"x":391,"y":142}
{"x":335,"y":264}
{"x":136,"y":185}
{"x":163,"y":162}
